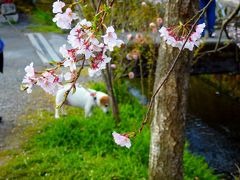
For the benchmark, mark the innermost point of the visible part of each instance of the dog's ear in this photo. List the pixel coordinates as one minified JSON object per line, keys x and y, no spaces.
{"x":104,"y":100}
{"x":93,"y":94}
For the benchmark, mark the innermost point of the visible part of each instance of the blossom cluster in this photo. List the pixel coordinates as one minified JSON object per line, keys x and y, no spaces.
{"x":47,"y":80}
{"x":174,"y":39}
{"x":63,"y":20}
{"x":83,"y":45}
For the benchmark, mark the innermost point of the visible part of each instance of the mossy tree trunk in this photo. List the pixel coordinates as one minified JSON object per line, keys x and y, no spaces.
{"x":169,"y":112}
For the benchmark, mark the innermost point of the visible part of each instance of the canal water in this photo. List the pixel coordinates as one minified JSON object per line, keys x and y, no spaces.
{"x":213,"y":125}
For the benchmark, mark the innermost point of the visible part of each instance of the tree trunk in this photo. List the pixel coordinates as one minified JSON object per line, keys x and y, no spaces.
{"x":110,"y":88}
{"x":169,"y":112}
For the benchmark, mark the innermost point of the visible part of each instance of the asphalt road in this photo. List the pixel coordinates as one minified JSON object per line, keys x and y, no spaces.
{"x":20,"y":50}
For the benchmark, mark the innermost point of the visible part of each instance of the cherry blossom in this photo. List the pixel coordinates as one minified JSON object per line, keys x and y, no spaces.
{"x":83,"y":44}
{"x":99,"y":63}
{"x":64,"y":20}
{"x":121,"y":140}
{"x":69,"y":76}
{"x":129,"y":37}
{"x":110,"y":39}
{"x":49,"y":82}
{"x":172,"y":38}
{"x":69,"y":62}
{"x":29,"y":79}
{"x":30,"y":70}
{"x":143,"y":3}
{"x":113,"y":66}
{"x":131,"y":75}
{"x":57,"y":6}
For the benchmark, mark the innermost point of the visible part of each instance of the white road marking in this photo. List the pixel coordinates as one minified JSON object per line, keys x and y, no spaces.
{"x":43,"y":48}
{"x":38,"y":48}
{"x":49,"y":49}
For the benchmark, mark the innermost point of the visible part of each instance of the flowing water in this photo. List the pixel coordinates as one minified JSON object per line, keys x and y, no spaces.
{"x":213,"y":125}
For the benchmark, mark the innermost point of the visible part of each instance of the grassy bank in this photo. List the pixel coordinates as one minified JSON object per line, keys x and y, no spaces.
{"x":41,"y":21}
{"x":77,"y":148}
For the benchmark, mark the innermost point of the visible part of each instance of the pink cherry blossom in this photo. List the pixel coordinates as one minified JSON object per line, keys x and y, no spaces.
{"x":49,"y":82}
{"x":69,"y":62}
{"x":129,"y":37}
{"x":99,"y":63}
{"x":85,"y":23}
{"x":94,"y":72}
{"x":63,"y":50}
{"x":29,"y":79}
{"x":174,"y":40}
{"x":131,"y":75}
{"x":143,"y":3}
{"x":110,"y":39}
{"x":57,"y":6}
{"x":113,"y":66}
{"x":30,"y":70}
{"x":64,"y":20}
{"x":69,"y":76}
{"x":121,"y":140}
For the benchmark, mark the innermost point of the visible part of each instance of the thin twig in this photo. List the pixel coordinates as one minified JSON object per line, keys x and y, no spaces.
{"x":200,"y":55}
{"x":73,"y":84}
{"x":94,"y":5}
{"x":99,"y":5}
{"x":164,"y":79}
{"x":225,"y":23}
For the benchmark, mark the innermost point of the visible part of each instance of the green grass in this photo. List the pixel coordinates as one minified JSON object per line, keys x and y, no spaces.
{"x":77,"y":148}
{"x":42,"y":22}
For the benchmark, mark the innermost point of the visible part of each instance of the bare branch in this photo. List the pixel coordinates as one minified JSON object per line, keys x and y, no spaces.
{"x":225,"y":23}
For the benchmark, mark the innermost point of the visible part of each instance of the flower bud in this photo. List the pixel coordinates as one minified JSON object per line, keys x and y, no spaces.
{"x":131,"y":75}
{"x":144,"y":3}
{"x":113,"y":66}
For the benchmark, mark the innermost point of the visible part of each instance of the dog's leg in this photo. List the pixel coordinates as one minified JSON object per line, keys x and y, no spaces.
{"x":88,"y":110}
{"x":63,"y":111}
{"x":56,"y":113}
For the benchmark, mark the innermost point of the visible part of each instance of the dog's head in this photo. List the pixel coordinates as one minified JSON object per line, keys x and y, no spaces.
{"x":103,"y":101}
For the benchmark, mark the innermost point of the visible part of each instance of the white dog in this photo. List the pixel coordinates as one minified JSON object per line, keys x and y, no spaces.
{"x":84,"y":98}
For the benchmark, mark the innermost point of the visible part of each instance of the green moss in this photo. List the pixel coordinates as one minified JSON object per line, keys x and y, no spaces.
{"x":77,"y":148}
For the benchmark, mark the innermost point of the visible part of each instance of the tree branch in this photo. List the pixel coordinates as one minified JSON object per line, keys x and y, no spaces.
{"x":73,"y":84}
{"x":164,"y":79}
{"x":224,"y":25}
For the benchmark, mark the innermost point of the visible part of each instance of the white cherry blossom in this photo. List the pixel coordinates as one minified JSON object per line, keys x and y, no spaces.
{"x":57,"y":6}
{"x":69,"y":62}
{"x":64,"y":20}
{"x":49,"y":83}
{"x":110,"y":39}
{"x":121,"y":140}
{"x":29,"y":79}
{"x":174,"y":40}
